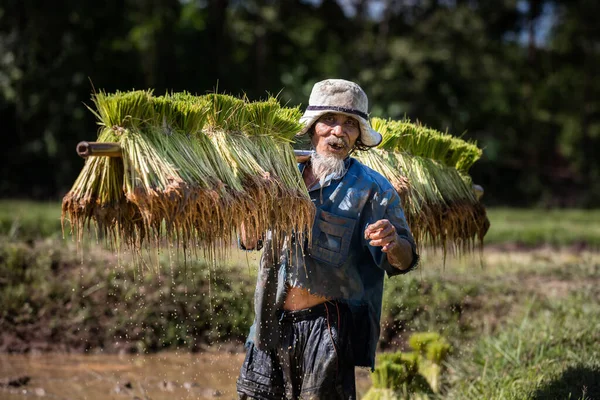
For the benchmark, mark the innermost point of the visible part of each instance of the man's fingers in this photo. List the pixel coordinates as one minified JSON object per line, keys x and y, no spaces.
{"x":389,"y":246}
{"x":377,"y":226}
{"x":382,"y":242}
{"x":382,"y":233}
{"x":379,"y":230}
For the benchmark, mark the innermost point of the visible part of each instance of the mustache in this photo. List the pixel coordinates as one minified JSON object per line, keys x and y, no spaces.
{"x":337,"y":141}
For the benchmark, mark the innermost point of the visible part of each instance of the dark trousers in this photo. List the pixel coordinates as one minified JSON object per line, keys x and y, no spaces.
{"x":312,"y":361}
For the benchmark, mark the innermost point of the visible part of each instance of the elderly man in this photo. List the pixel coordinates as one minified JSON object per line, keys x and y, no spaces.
{"x":318,"y":307}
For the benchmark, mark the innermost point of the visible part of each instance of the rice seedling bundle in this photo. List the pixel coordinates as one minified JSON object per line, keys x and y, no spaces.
{"x":415,"y":374}
{"x":98,"y":195}
{"x":193,"y":169}
{"x":436,"y":189}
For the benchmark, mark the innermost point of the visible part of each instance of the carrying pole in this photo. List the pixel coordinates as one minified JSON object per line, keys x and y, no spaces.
{"x":109,"y":149}
{"x":92,"y":149}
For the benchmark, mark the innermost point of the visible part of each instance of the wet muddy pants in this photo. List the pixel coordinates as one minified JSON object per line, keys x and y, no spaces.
{"x":313,"y":360}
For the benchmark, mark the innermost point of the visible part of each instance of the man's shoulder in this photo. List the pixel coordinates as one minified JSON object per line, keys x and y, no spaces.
{"x":364,"y":172}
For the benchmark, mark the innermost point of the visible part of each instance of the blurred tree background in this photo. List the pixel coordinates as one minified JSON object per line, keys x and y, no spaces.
{"x":516,"y":75}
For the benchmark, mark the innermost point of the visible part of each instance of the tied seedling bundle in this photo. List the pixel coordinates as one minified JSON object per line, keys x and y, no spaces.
{"x":192,"y":171}
{"x":429,"y":169}
{"x":411,"y":375}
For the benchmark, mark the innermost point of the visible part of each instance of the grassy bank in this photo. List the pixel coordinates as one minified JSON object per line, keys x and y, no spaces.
{"x":523,"y":326}
{"x":537,"y":227}
{"x":55,"y":297}
{"x":549,"y":353}
{"x":28,"y":220}
{"x":523,"y":323}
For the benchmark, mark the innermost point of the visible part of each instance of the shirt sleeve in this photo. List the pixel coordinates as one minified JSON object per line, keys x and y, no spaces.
{"x":387,"y":206}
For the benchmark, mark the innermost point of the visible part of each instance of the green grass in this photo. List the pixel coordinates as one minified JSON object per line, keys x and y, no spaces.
{"x":27,"y":220}
{"x":550,"y":354}
{"x":525,"y":325}
{"x":533,"y":227}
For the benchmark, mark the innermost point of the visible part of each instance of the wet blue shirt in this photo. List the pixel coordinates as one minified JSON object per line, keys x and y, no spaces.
{"x":340,"y":264}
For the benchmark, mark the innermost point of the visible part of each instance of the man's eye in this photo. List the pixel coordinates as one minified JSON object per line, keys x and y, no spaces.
{"x":351,"y":122}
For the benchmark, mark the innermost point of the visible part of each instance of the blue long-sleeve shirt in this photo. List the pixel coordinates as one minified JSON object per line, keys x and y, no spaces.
{"x":340,"y":264}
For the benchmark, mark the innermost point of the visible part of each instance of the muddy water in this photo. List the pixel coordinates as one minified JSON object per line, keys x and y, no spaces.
{"x":94,"y":377}
{"x":163,"y":376}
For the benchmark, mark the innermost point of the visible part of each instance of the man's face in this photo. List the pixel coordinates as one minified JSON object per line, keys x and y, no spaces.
{"x":335,"y":135}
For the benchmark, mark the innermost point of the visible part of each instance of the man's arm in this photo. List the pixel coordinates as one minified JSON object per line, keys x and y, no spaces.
{"x":399,"y":250}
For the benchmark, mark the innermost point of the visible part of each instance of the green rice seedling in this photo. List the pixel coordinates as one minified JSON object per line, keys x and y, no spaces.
{"x":383,"y":162}
{"x":459,"y":211}
{"x":428,"y":222}
{"x":440,"y":205}
{"x":415,"y":375}
{"x":192,"y":168}
{"x":195,"y":168}
{"x":433,"y":346}
{"x":287,"y":123}
{"x":397,"y":168}
{"x":199,"y":214}
{"x":384,"y":127}
{"x":253,"y":191}
{"x":409,"y":362}
{"x":397,"y":377}
{"x":97,"y":194}
{"x":270,"y":129}
{"x":419,"y":140}
{"x":148,"y":173}
{"x":434,"y":350}
{"x":462,"y":155}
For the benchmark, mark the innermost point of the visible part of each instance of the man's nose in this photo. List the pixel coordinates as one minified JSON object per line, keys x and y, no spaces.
{"x":337,"y":130}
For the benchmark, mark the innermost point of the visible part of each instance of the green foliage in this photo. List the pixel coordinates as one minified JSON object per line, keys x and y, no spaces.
{"x":537,"y":357}
{"x":412,"y":304}
{"x":521,"y":323}
{"x":517,"y":77}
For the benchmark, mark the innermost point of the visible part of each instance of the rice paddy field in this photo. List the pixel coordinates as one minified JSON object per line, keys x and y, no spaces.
{"x":521,"y":320}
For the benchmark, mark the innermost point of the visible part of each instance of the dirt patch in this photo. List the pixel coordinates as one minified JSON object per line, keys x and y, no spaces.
{"x":557,"y":288}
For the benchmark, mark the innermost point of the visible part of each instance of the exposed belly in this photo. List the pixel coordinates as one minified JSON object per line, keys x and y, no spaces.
{"x":299,"y":298}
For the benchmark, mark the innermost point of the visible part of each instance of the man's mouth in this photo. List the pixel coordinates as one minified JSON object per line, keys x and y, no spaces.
{"x":337,"y":146}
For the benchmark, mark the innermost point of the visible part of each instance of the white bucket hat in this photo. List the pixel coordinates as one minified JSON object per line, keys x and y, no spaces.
{"x":343,"y":97}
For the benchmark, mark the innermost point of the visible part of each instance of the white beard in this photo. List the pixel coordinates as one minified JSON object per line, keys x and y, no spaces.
{"x":325,"y":165}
